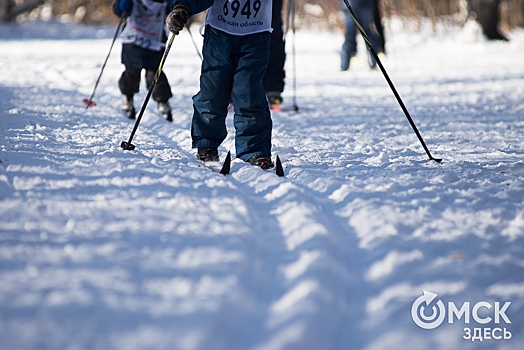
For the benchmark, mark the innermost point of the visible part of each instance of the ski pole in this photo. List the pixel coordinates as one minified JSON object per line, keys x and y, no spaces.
{"x":291,"y":9}
{"x":90,"y":102}
{"x":404,"y":109}
{"x":128,"y":146}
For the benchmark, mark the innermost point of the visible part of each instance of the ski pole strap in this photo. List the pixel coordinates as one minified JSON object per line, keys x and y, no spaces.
{"x":362,"y":31}
{"x":194,"y":43}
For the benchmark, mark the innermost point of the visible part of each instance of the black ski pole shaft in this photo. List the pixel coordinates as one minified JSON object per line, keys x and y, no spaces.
{"x":390,"y":83}
{"x":128,"y":145}
{"x":290,"y":18}
{"x":90,"y":102}
{"x":295,"y":105}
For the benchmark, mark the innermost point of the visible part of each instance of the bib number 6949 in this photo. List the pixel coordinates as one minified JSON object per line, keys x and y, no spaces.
{"x":247,"y":10}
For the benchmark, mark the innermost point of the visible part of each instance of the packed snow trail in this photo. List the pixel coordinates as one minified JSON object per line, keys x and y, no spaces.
{"x":102,"y":248}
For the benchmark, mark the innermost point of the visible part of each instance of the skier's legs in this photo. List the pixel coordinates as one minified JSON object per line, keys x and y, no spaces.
{"x":208,"y":128}
{"x":275,"y":74}
{"x":252,"y":117}
{"x":367,"y":17}
{"x":349,"y":47}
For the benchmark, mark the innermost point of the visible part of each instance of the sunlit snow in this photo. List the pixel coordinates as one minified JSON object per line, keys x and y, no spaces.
{"x":102,"y":248}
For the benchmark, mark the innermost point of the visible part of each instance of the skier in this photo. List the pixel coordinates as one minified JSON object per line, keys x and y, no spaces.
{"x":143,"y":42}
{"x":275,"y":74}
{"x":365,"y":13}
{"x":235,"y":55}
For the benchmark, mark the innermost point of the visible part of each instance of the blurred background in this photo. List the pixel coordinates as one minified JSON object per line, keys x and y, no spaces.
{"x":496,"y":17}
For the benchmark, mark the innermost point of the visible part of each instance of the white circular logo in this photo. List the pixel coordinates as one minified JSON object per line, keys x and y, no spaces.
{"x":418,"y":311}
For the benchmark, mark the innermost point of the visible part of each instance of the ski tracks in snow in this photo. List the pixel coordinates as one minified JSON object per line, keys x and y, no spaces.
{"x":298,"y":252}
{"x":153,"y":233}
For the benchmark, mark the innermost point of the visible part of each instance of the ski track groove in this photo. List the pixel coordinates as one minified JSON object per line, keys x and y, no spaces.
{"x":257,"y":184}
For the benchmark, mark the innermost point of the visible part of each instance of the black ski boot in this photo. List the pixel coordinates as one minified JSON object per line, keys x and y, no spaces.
{"x":207,"y":154}
{"x":261,"y":161}
{"x":165,"y":110}
{"x":128,"y":107}
{"x":275,"y":100}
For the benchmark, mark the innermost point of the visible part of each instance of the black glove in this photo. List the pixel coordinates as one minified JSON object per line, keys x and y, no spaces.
{"x":177,"y":19}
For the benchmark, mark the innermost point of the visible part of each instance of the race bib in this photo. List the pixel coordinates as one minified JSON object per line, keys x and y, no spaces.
{"x":240,"y":17}
{"x":145,"y":25}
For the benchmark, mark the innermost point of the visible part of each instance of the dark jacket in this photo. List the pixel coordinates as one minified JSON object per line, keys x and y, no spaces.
{"x":193,"y":6}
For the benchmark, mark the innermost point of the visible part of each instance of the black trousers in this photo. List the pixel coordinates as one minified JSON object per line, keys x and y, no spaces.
{"x":129,"y":84}
{"x":275,"y":74}
{"x":135,"y":59}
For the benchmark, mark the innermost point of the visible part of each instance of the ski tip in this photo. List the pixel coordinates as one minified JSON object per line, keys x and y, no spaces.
{"x":278,"y":168}
{"x":226,"y":168}
{"x":89,"y":103}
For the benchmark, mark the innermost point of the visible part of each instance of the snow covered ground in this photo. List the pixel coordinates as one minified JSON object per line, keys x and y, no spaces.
{"x":102,"y":248}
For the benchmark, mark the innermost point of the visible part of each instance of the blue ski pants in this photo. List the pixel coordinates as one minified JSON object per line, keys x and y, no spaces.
{"x":366,"y":17}
{"x":233,"y":67}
